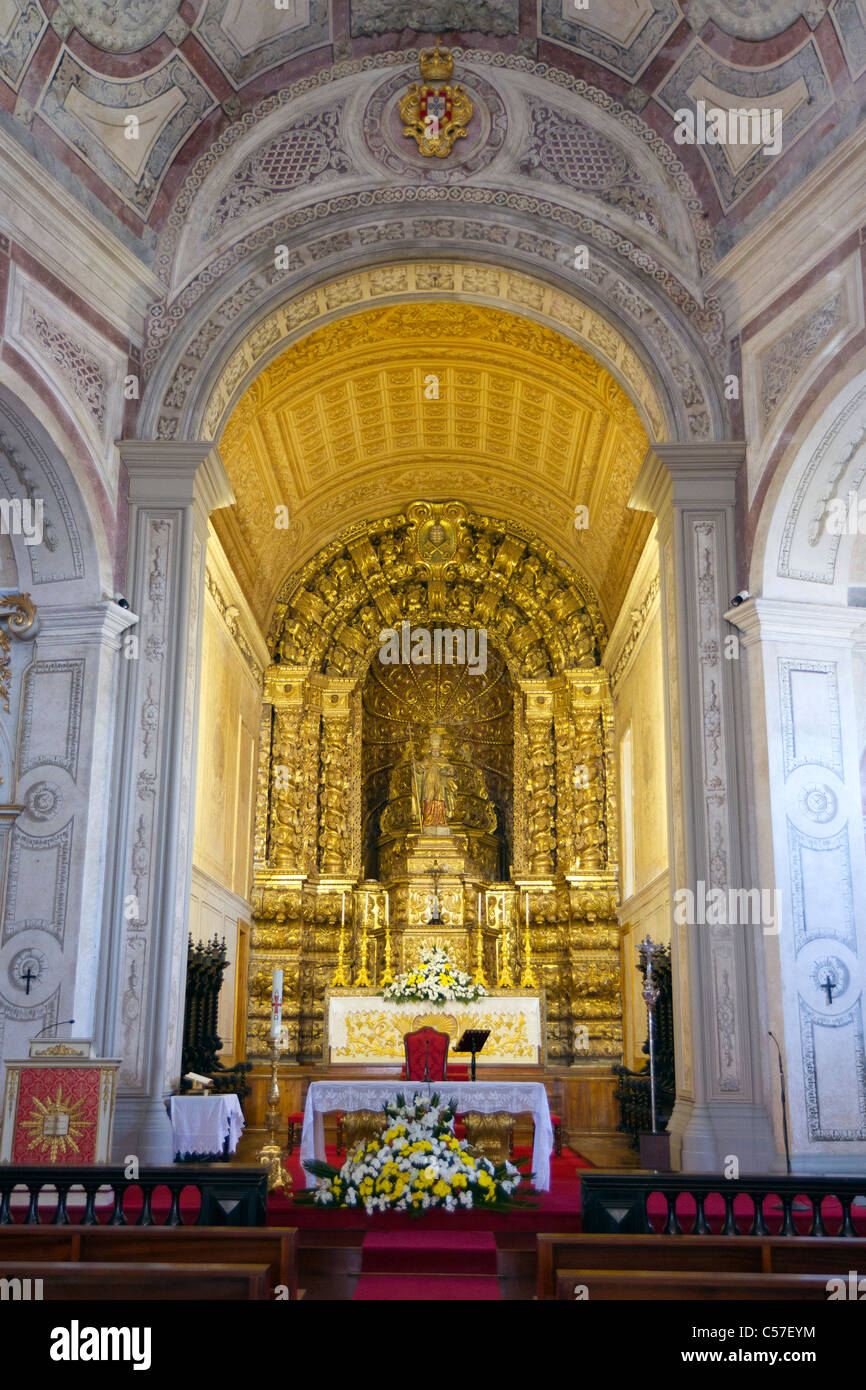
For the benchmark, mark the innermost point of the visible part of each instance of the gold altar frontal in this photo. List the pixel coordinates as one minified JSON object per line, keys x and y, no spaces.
{"x":363,"y":1028}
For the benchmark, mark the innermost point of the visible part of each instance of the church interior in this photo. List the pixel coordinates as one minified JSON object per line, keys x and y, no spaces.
{"x":432,"y":649}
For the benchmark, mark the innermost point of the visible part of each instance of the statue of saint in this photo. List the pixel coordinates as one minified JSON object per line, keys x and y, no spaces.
{"x":436,"y":784}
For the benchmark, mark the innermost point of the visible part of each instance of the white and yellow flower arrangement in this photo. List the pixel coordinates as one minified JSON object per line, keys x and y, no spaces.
{"x":434,"y":980}
{"x":415,"y":1164}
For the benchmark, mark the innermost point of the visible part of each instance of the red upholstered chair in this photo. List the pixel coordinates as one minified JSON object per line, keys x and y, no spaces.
{"x":426,"y":1049}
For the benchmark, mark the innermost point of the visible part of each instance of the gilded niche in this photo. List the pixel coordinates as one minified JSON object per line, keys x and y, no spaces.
{"x":469,"y":778}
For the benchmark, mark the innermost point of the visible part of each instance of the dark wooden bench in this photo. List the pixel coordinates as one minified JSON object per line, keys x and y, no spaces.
{"x":275,"y":1247}
{"x":609,"y":1285}
{"x":719,"y":1254}
{"x":63,"y":1280}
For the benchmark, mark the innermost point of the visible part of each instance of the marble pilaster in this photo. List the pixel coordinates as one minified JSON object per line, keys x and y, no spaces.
{"x":720,"y":1107}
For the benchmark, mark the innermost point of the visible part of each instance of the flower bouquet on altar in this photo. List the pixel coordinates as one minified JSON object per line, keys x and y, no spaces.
{"x":433,"y":981}
{"x":415,"y":1164}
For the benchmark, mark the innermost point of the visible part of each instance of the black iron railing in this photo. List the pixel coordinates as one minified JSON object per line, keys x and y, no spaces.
{"x":647,"y":1203}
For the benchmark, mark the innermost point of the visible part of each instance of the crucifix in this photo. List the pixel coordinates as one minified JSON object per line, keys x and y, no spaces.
{"x":829,"y":984}
{"x":27,"y":975}
{"x":435,"y":873}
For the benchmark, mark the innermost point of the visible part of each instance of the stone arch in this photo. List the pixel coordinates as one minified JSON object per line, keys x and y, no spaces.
{"x":647,"y":302}
{"x":74,"y":562}
{"x":804,"y":632}
{"x":797,"y":554}
{"x":57,"y":710}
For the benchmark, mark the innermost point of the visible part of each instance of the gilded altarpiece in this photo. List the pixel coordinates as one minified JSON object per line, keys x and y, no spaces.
{"x":467,"y":784}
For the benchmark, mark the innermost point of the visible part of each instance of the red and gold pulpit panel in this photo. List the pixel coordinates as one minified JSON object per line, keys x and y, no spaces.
{"x":58,"y":1110}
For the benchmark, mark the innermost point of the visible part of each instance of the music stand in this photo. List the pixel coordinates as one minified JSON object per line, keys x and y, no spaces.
{"x":472,"y":1040}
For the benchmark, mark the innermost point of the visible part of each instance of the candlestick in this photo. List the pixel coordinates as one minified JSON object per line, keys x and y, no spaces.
{"x":527,"y":977}
{"x":363,"y":978}
{"x":479,"y":978}
{"x":387,"y":973}
{"x":277,"y":1004}
{"x":271,"y":1152}
{"x":341,"y":978}
{"x":504,"y":977}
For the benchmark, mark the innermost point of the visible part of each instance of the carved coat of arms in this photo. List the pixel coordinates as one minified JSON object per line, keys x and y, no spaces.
{"x":435,"y":116}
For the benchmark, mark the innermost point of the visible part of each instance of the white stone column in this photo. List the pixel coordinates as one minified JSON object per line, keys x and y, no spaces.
{"x":720,"y":1107}
{"x":173,"y":488}
{"x":810,"y":842}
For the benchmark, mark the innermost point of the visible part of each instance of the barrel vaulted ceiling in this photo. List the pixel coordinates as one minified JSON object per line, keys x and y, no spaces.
{"x":433,"y":400}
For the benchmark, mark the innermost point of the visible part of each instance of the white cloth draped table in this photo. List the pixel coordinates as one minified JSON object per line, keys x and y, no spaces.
{"x":515,"y":1097}
{"x":199,"y":1124}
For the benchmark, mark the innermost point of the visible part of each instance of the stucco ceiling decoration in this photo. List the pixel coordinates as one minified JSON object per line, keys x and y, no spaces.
{"x":348,"y":420}
{"x":522,"y":108}
{"x":754,"y":19}
{"x":117,"y":28}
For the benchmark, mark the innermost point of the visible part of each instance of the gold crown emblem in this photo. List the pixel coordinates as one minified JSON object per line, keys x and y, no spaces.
{"x":435,"y":63}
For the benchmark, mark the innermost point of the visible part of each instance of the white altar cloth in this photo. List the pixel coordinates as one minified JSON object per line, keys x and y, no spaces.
{"x":517,"y":1097}
{"x":199,"y":1124}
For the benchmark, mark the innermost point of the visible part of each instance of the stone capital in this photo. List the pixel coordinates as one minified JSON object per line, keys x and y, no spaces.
{"x":787,"y":620}
{"x":98,"y":623}
{"x":688,"y":475}
{"x":163,"y":473}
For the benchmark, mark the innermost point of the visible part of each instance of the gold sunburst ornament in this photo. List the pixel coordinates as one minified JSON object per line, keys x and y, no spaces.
{"x":56,"y":1125}
{"x":435,"y":116}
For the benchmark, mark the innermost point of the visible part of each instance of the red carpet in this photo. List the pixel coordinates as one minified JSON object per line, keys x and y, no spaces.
{"x":427,"y":1266}
{"x":555,"y":1210}
{"x":434,"y":1252}
{"x":380,"y":1288}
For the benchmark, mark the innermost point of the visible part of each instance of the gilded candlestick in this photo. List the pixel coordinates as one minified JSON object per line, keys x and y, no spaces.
{"x":527,"y":977}
{"x":479,"y":978}
{"x":362,"y":979}
{"x":387,"y":973}
{"x":505,"y":979}
{"x":270,"y":1155}
{"x":341,"y":975}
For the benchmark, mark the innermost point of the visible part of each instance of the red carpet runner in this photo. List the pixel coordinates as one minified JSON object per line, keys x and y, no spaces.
{"x":428,"y":1266}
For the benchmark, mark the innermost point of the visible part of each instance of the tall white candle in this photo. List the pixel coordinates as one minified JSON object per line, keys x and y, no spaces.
{"x":343,"y":911}
{"x":387,"y":918}
{"x":479,"y":909}
{"x":527,"y":909}
{"x":277,"y":1004}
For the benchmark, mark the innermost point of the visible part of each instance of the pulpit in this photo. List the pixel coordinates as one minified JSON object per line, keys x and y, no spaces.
{"x":59,"y":1105}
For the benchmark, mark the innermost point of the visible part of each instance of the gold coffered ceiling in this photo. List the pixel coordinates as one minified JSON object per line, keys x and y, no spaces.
{"x":432,"y":399}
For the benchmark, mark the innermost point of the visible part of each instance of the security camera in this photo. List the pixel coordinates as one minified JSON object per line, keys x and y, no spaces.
{"x":120,"y":601}
{"x":740,"y":598}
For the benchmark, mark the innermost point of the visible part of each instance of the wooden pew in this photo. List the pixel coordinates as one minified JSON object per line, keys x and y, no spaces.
{"x":825,"y":1255}
{"x":273,"y":1246}
{"x":100,"y":1281}
{"x":613,"y":1285}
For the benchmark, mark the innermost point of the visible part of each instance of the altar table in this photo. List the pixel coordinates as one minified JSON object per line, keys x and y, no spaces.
{"x":515,"y":1097}
{"x":201,"y":1124}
